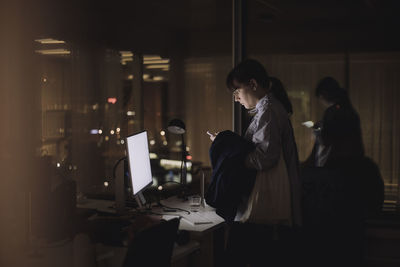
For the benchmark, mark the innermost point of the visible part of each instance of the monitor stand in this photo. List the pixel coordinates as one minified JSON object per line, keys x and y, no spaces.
{"x":120,"y":197}
{"x":141,"y":201}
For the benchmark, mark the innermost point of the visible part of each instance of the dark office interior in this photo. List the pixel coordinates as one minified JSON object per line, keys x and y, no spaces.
{"x":78,"y":77}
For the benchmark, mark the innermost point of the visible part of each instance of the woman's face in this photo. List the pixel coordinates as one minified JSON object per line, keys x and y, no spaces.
{"x":245,"y":94}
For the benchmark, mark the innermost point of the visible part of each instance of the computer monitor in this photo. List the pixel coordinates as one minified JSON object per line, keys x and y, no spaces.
{"x":139,"y":165}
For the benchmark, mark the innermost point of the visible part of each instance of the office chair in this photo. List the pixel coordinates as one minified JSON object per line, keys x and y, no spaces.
{"x":153,"y":246}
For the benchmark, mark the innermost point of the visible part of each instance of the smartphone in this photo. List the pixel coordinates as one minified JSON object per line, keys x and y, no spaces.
{"x":308,"y":124}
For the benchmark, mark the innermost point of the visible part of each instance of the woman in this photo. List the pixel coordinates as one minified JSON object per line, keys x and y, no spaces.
{"x":346,"y":185}
{"x":338,"y":137}
{"x":268,"y":215}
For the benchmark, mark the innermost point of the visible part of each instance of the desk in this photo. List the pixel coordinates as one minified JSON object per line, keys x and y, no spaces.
{"x":203,"y":219}
{"x":205,"y":216}
{"x":210,"y":236}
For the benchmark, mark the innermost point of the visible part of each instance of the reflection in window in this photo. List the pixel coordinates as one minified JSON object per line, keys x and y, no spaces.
{"x":92,"y":98}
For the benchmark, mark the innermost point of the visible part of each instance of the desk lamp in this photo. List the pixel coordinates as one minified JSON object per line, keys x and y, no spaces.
{"x":176,"y":126}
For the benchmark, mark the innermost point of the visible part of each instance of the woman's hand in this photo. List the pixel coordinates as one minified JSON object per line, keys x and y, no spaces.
{"x":212,"y":136}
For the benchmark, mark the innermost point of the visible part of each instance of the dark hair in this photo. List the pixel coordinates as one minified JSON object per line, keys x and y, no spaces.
{"x":245,"y":71}
{"x":280,"y":93}
{"x":330,"y":89}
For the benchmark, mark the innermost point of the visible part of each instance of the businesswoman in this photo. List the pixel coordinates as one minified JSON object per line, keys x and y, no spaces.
{"x":265,"y":220}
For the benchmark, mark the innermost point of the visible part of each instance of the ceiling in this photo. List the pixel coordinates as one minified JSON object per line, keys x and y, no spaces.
{"x":153,"y":24}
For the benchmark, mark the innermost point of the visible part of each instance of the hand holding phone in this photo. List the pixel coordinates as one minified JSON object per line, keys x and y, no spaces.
{"x":212,"y":136}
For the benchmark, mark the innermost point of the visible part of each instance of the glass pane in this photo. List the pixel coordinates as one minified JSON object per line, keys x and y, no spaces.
{"x":105,"y":72}
{"x":301,"y":43}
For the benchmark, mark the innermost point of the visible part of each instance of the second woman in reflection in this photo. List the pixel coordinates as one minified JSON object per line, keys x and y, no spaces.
{"x":338,"y":134}
{"x":265,"y":220}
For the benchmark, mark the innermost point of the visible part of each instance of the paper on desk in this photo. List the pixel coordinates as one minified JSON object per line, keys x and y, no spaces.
{"x":197,"y":218}
{"x":203,"y":218}
{"x":190,"y":219}
{"x":168,"y":217}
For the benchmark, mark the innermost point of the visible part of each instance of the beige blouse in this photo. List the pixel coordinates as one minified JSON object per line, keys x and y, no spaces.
{"x":270,"y":201}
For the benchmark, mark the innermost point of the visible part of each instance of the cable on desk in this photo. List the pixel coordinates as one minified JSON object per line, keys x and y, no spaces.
{"x":173,"y":208}
{"x":171,"y":182}
{"x":116,"y":165}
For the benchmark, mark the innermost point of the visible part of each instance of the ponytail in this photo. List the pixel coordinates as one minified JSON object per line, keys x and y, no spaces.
{"x":279,"y":92}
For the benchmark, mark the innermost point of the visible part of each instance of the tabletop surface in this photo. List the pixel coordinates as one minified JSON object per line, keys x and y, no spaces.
{"x":193,"y":218}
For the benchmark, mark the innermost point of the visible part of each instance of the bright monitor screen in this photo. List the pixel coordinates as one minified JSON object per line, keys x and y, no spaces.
{"x":139,"y":161}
